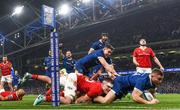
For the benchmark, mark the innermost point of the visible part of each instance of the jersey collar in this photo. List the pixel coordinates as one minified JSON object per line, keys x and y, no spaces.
{"x":150,"y":80}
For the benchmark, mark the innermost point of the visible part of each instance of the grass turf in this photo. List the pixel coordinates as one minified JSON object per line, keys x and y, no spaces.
{"x":167,"y":101}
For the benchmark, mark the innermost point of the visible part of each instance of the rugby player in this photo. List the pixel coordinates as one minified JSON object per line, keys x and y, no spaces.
{"x":137,"y":83}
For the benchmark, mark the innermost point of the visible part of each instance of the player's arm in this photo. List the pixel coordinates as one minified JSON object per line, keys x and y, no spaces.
{"x":156,"y":60}
{"x":108,"y":67}
{"x":136,"y":96}
{"x":109,"y":98}
{"x":90,"y":50}
{"x":96,"y":75}
{"x":83,"y":99}
{"x":135,"y":61}
{"x":10,"y":65}
{"x":134,"y":58}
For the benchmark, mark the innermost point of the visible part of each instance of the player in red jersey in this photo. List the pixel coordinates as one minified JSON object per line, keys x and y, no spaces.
{"x":5,"y":67}
{"x":12,"y":96}
{"x":142,"y":58}
{"x":77,"y":82}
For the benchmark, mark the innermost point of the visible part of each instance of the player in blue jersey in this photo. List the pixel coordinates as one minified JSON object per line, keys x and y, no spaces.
{"x":69,"y":62}
{"x":47,"y":64}
{"x":137,"y":83}
{"x":99,"y":57}
{"x":15,"y":79}
{"x":100,"y":44}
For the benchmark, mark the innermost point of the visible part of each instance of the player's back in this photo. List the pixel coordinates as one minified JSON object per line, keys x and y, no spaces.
{"x":128,"y":82}
{"x":97,"y":45}
{"x":7,"y":93}
{"x":91,"y":59}
{"x":86,"y":86}
{"x":11,"y":95}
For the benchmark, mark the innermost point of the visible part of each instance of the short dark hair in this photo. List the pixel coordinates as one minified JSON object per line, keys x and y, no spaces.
{"x":5,"y":56}
{"x":142,"y":38}
{"x":104,"y":34}
{"x":158,"y":71}
{"x":109,"y":46}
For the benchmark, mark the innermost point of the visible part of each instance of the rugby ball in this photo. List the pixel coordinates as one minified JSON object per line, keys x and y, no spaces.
{"x":148,"y":96}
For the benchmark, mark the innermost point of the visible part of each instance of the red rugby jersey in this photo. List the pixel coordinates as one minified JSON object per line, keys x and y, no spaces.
{"x":91,"y":88}
{"x":9,"y":93}
{"x":143,"y":57}
{"x":6,"y":68}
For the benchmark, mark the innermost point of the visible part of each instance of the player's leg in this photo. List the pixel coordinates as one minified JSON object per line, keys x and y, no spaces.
{"x":10,"y":86}
{"x":9,"y":81}
{"x":70,"y":89}
{"x":37,"y":77}
{"x":69,"y":92}
{"x":2,"y":84}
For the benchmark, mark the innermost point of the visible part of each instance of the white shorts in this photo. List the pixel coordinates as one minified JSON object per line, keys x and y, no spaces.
{"x":143,"y":70}
{"x":6,"y":78}
{"x":71,"y":86}
{"x":62,"y":80}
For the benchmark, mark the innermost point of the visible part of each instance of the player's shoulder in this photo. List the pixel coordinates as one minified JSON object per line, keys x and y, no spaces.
{"x":149,"y":48}
{"x":137,"y":48}
{"x":9,"y":61}
{"x":143,"y":77}
{"x":96,"y":87}
{"x":96,"y":42}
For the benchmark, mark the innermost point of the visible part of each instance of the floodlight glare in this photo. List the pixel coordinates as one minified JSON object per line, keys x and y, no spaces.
{"x":64,"y":9}
{"x":18,"y":10}
{"x":86,"y":1}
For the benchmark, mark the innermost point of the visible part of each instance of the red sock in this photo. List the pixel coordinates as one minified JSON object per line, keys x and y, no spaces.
{"x":48,"y":98}
{"x":34,"y":76}
{"x":49,"y":92}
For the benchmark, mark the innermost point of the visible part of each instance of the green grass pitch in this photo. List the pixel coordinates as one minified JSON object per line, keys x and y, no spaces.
{"x":167,"y":102}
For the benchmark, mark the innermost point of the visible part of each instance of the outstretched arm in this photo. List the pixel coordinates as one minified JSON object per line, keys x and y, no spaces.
{"x":158,"y":63}
{"x":108,"y":67}
{"x":136,"y":96}
{"x":90,"y":50}
{"x":109,"y":98}
{"x":83,"y":99}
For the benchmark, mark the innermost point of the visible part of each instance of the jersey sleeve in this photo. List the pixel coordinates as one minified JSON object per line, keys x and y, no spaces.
{"x":94,"y":46}
{"x":109,"y":61}
{"x":152,"y":53}
{"x":135,"y":53}
{"x":140,"y":86}
{"x":116,"y":86}
{"x":96,"y":90}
